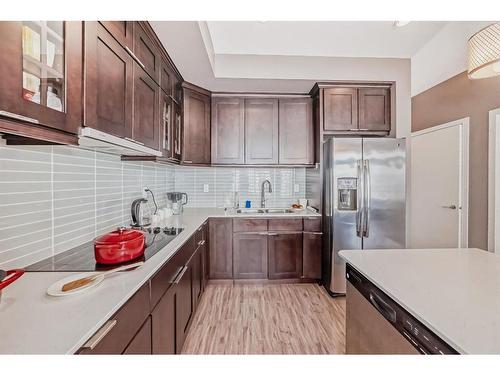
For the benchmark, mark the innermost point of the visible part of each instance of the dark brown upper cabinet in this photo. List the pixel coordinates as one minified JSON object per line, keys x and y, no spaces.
{"x":109,"y":83}
{"x":122,"y":31}
{"x":250,"y":255}
{"x":296,"y":132}
{"x":146,"y":53}
{"x":146,"y":112}
{"x":261,"y":131}
{"x":196,"y":125}
{"x":285,"y":255}
{"x":41,"y":73}
{"x":228,"y":130}
{"x":166,"y":77}
{"x":341,"y":109}
{"x":374,"y":109}
{"x":357,"y":109}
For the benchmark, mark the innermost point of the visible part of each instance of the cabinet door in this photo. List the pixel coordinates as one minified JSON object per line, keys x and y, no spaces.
{"x":176,"y":132}
{"x":146,"y":113}
{"x":206,"y":245}
{"x":296,"y":132}
{"x":261,"y":131}
{"x":141,"y":343}
{"x":250,"y":255}
{"x":340,"y":109}
{"x":164,"y":325}
{"x":374,"y":109}
{"x":109,"y":83}
{"x":311,"y":255}
{"x":285,"y":255}
{"x":221,"y":249}
{"x":184,"y":306}
{"x":166,"y":77}
{"x":197,"y":285}
{"x":147,"y":52}
{"x":122,"y":31}
{"x":166,"y":128}
{"x":116,"y":334}
{"x":196,"y":128}
{"x":41,"y":73}
{"x":228,"y":131}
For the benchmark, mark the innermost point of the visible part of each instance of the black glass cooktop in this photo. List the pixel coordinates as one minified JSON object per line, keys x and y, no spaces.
{"x":81,"y":258}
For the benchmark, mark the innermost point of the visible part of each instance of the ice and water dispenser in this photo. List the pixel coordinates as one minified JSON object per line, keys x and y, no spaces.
{"x":347,"y":193}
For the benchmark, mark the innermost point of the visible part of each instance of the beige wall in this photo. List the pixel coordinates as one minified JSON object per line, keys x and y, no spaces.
{"x":456,"y":98}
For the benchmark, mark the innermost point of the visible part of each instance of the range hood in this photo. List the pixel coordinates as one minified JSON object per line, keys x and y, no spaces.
{"x":97,"y":140}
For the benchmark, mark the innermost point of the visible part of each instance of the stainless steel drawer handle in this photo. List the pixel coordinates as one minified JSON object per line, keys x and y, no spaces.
{"x":179,"y":276}
{"x":314,"y":233}
{"x":99,"y":335}
{"x":262,"y":233}
{"x":15,"y":116}
{"x":272,"y":234}
{"x":133,"y":140}
{"x":188,"y":161}
{"x":135,"y":58}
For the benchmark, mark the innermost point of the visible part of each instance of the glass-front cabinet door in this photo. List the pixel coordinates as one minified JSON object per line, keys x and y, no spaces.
{"x":41,"y":73}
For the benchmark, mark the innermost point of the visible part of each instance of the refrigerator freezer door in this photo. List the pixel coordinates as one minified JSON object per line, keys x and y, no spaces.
{"x":344,"y":176}
{"x":385,"y":215}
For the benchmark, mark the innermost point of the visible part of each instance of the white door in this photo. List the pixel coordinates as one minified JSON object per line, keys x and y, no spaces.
{"x":439,"y":186}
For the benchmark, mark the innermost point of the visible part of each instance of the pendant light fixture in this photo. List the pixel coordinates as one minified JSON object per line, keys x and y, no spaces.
{"x":484,"y":52}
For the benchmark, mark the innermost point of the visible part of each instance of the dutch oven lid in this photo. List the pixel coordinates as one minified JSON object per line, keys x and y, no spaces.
{"x":121,"y":234}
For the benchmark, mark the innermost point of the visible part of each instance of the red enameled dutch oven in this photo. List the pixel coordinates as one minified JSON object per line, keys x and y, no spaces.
{"x":9,"y":277}
{"x":119,"y":246}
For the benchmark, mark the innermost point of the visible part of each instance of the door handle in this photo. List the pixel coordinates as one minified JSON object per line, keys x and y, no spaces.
{"x":451,"y":207}
{"x":179,"y":276}
{"x":367,"y":198}
{"x":97,"y":338}
{"x":135,"y":58}
{"x":359,"y":200}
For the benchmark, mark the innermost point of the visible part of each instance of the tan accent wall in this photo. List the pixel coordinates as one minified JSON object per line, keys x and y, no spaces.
{"x":456,"y":98}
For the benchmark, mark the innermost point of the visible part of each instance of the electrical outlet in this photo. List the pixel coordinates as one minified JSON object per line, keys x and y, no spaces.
{"x":205,"y":188}
{"x":296,"y":188}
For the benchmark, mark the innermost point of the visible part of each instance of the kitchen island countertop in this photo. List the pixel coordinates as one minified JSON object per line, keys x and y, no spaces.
{"x":31,"y":322}
{"x":454,"y":292}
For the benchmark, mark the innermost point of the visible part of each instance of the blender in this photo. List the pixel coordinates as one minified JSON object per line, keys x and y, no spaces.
{"x":176,"y":201}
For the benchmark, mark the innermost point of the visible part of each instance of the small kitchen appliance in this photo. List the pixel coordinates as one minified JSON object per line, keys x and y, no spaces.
{"x":141,"y":213}
{"x":8,"y":277}
{"x":176,"y":201}
{"x":121,"y":245}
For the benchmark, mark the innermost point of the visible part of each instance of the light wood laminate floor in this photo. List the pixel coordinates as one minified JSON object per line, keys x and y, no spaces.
{"x":267,"y":319}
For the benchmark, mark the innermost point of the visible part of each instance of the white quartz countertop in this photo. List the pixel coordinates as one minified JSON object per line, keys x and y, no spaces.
{"x":31,"y":322}
{"x":454,"y":292}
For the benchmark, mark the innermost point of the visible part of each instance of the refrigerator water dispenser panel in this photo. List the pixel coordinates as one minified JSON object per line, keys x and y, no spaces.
{"x":347,"y":188}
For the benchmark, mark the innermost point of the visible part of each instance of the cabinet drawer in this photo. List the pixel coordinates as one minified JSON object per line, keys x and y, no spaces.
{"x":141,"y":343}
{"x":119,"y":331}
{"x":312,"y":224}
{"x":249,"y":225}
{"x":285,"y":224}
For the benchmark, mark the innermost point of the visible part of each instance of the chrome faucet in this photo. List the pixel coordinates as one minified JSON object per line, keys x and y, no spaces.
{"x":263,"y":194}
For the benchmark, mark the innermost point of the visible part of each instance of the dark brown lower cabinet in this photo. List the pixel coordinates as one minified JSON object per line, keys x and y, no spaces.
{"x":250,"y":255}
{"x":221,"y":248}
{"x":141,"y":343}
{"x":164,"y":324}
{"x":285,"y":255}
{"x":206,"y":254}
{"x":311,"y":255}
{"x":184,"y":305}
{"x":197,"y":282}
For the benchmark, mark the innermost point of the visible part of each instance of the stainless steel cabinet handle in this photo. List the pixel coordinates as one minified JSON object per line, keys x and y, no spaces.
{"x":451,"y":207}
{"x":15,"y":116}
{"x":272,"y":234}
{"x":179,"y":276}
{"x":99,"y":335}
{"x":314,"y":233}
{"x":202,"y":242}
{"x":135,"y":141}
{"x":188,"y":161}
{"x":262,"y":233}
{"x":135,"y":58}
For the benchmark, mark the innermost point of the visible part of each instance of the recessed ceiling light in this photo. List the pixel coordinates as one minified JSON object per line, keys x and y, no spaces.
{"x":401,"y":23}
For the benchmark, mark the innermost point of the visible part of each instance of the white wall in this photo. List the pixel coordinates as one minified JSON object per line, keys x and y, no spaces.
{"x":442,"y":57}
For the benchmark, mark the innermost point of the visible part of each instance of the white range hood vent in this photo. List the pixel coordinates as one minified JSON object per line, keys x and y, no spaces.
{"x":99,"y":141}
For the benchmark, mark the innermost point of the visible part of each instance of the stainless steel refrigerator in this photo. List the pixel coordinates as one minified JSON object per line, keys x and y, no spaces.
{"x":363,"y":200}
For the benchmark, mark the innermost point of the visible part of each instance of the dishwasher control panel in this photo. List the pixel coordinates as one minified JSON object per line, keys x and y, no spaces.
{"x":423,"y":339}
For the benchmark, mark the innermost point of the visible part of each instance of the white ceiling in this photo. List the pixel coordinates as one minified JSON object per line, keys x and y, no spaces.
{"x":320,"y":38}
{"x":289,"y":56}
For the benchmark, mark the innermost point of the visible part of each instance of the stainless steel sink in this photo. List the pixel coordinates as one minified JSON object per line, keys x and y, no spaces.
{"x":250,"y":211}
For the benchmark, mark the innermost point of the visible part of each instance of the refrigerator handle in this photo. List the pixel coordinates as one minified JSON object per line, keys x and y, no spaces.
{"x":359,"y":199}
{"x":367,"y":198}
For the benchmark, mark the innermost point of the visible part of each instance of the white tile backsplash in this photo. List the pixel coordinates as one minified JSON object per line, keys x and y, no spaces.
{"x":53,"y":198}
